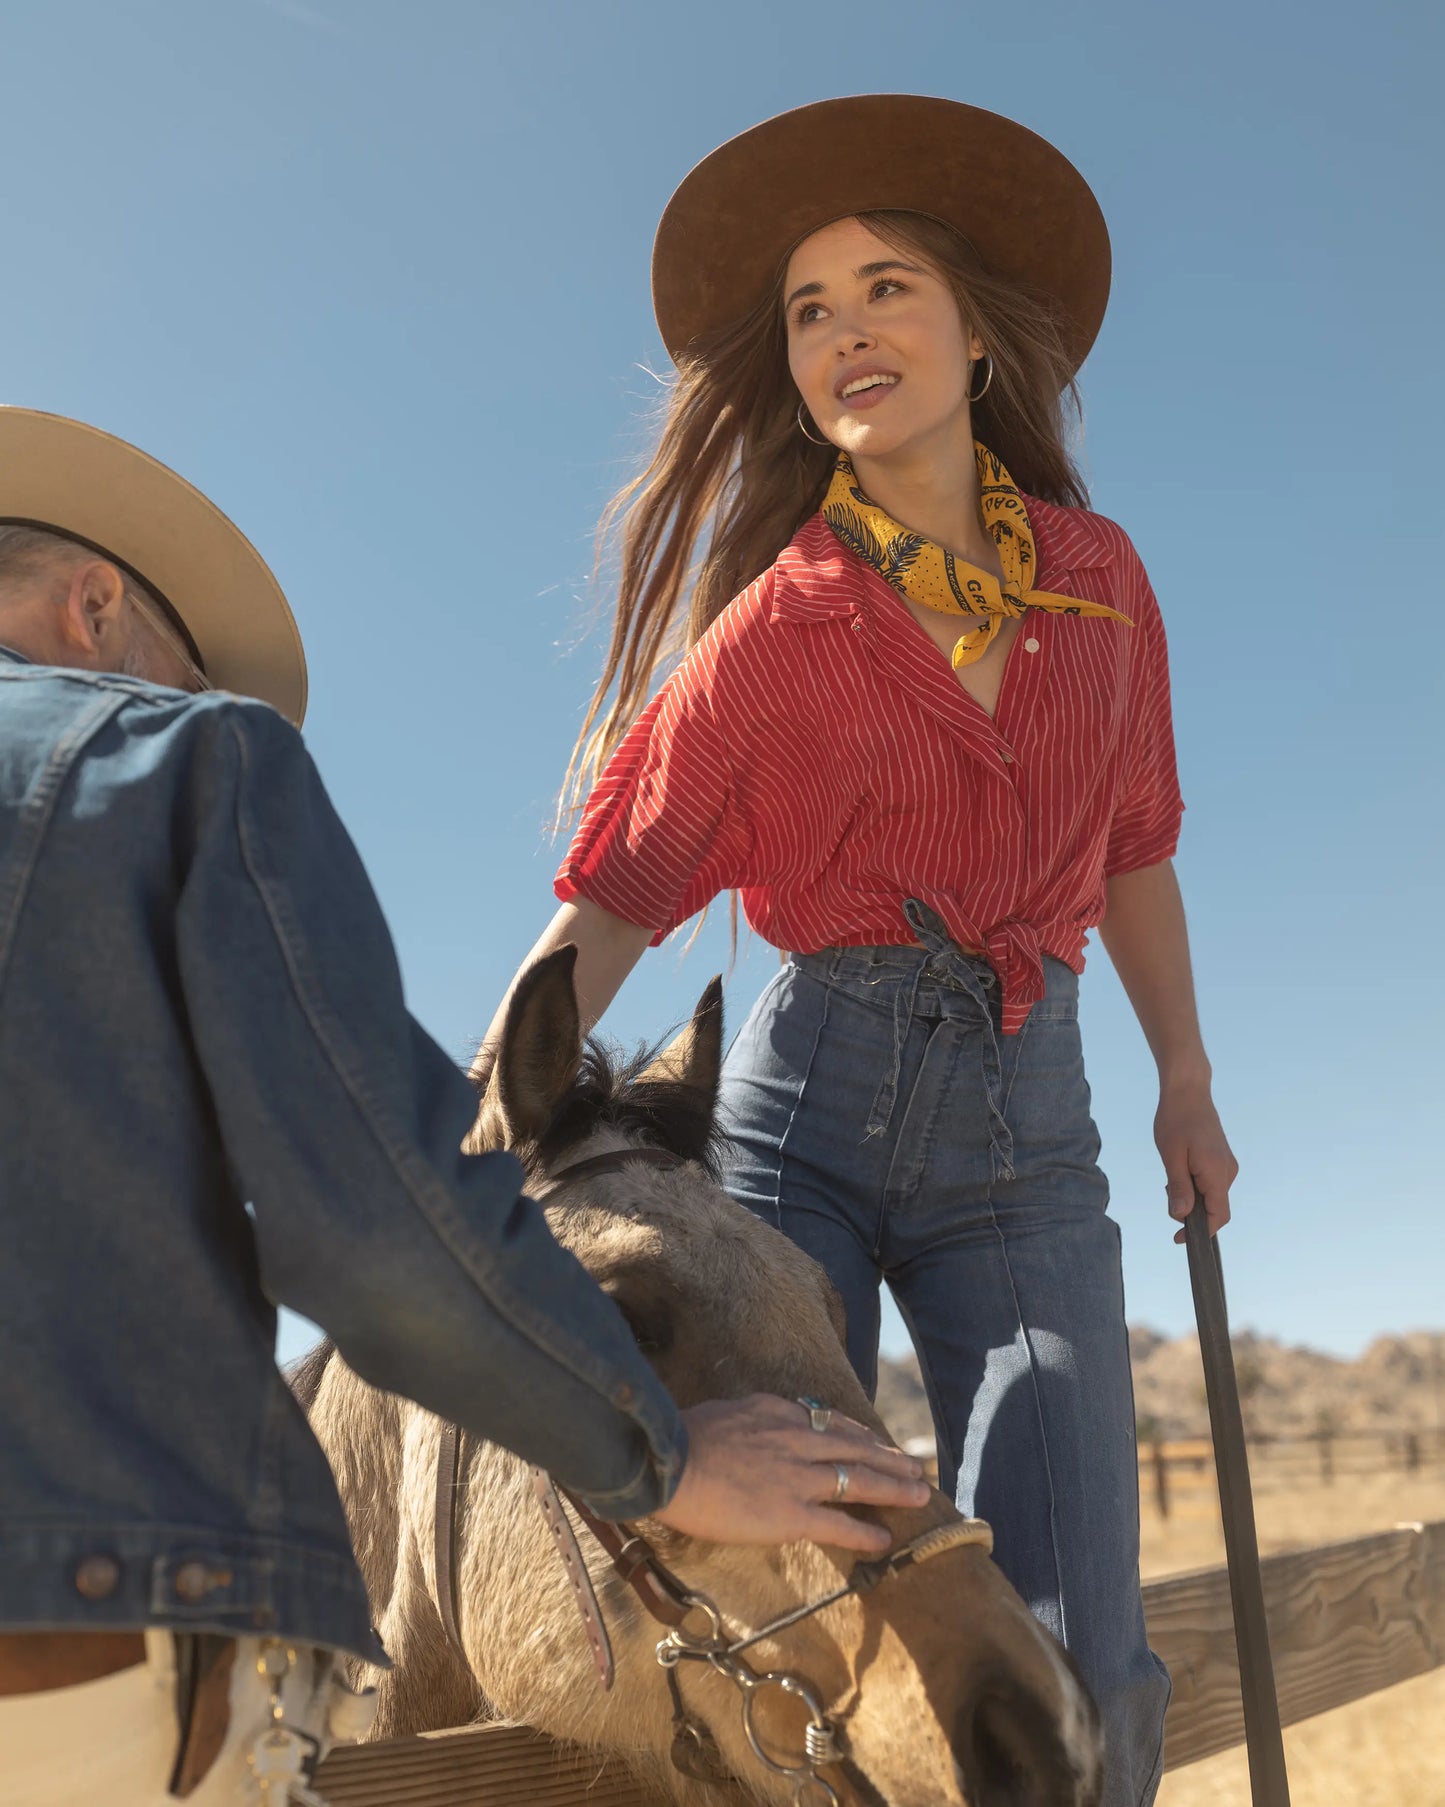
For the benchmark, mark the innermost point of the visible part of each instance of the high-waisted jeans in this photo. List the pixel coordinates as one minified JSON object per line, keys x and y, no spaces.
{"x":880,"y":1119}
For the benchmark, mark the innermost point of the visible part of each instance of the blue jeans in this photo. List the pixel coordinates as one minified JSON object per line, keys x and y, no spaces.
{"x":880,"y":1119}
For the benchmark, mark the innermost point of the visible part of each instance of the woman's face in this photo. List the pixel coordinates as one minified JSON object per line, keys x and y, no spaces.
{"x":876,"y":344}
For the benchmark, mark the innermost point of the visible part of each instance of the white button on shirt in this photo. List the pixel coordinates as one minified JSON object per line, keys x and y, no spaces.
{"x":1031,"y":646}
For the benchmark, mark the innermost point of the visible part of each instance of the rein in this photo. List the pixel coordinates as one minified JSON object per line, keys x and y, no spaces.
{"x":449,"y":1463}
{"x":672,"y":1603}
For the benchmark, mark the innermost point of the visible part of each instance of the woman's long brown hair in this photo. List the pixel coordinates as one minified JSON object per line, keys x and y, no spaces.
{"x":732,"y":470}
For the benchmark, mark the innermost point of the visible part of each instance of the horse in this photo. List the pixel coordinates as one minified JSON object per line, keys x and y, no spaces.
{"x":943,"y":1688}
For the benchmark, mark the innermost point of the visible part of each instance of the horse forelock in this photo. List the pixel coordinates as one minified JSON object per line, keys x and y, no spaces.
{"x":628,"y":1096}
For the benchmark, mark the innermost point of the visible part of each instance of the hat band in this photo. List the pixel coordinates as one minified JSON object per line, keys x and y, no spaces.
{"x":172,"y":614}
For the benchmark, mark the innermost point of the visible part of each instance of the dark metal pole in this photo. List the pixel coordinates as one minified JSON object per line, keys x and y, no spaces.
{"x":1268,"y":1779}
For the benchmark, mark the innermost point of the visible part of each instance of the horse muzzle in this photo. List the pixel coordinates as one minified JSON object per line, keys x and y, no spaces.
{"x":1013,"y":1749}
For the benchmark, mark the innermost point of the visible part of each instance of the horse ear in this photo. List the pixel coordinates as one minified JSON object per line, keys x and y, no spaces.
{"x":694,"y":1059}
{"x":540,"y":1048}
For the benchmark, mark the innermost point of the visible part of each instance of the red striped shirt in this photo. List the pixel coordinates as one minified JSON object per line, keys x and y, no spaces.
{"x":816,"y":753}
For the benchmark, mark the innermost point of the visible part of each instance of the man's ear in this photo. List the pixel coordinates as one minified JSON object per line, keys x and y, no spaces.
{"x":93,"y":617}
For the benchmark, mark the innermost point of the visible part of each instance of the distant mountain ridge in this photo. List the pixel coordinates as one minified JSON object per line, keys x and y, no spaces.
{"x":1398,"y":1384}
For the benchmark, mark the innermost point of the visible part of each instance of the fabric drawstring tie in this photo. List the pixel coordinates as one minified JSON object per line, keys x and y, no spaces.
{"x":924,"y":572}
{"x":948,"y":963}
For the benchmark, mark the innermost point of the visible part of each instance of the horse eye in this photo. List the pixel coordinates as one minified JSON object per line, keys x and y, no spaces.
{"x":650,"y":1324}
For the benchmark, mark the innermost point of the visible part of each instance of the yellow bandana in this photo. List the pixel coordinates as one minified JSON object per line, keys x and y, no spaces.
{"x":924,"y":572}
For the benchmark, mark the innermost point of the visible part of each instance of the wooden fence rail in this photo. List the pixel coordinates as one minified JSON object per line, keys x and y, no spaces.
{"x":1181,"y":1470}
{"x":1345,"y":1620}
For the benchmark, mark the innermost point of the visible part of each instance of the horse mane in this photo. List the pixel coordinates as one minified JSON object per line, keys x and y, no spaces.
{"x":630,"y":1094}
{"x":305,"y":1375}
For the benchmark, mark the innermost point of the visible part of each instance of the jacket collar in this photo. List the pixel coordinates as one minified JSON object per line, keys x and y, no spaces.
{"x":816,"y":577}
{"x":9,"y":653}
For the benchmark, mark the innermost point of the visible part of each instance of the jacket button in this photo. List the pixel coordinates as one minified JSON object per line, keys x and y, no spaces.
{"x":97,"y":1577}
{"x":193,"y":1581}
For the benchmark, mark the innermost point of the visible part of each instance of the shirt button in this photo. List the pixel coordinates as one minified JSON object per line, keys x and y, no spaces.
{"x":1031,"y":645}
{"x":1005,"y":756}
{"x":97,"y":1577}
{"x":857,"y":624}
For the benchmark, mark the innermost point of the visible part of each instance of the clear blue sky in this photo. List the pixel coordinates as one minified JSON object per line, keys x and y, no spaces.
{"x":374,"y":275}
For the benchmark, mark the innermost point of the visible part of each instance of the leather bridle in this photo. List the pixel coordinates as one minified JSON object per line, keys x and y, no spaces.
{"x":449,"y":1460}
{"x":673,"y":1604}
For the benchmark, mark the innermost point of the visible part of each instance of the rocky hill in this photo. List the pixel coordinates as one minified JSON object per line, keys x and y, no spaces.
{"x":1397,"y":1384}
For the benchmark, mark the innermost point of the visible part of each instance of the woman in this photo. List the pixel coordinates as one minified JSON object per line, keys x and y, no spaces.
{"x":923,"y":729}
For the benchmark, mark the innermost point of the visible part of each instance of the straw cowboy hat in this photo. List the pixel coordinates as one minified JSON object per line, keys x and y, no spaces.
{"x":729,"y":229}
{"x":73,"y":479}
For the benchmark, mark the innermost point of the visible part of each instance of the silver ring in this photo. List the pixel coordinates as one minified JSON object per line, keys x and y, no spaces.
{"x":840,"y":1490}
{"x":820,"y":1416}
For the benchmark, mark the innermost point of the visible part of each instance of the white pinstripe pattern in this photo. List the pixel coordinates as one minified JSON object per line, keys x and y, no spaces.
{"x":816,"y":753}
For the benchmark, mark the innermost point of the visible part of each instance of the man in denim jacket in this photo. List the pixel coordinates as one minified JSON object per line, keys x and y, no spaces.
{"x":213,"y":1102}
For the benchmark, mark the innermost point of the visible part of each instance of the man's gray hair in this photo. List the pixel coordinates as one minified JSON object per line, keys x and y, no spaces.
{"x":27,"y":551}
{"x":30,"y":551}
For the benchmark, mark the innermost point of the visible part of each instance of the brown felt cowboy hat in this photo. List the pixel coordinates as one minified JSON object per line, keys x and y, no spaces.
{"x":73,"y":479}
{"x":727,"y":232}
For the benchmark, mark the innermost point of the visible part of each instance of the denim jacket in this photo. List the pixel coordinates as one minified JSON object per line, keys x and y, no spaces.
{"x":213,"y":1102}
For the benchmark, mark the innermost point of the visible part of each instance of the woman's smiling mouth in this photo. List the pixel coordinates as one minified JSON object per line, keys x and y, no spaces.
{"x":866,"y":388}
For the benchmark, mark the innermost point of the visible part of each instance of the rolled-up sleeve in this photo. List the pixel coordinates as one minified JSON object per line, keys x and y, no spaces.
{"x":343,"y":1123}
{"x":663,"y":833}
{"x":1145,"y":826}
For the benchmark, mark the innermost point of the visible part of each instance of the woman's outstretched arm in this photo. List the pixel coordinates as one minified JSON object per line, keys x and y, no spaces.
{"x":1147,"y":940}
{"x":607,"y":950}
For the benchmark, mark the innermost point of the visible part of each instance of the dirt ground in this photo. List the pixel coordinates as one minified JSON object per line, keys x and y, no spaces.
{"x":1387,"y":1750}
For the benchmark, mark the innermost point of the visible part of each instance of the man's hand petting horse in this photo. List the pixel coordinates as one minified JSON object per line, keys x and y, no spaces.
{"x":757,"y":1472}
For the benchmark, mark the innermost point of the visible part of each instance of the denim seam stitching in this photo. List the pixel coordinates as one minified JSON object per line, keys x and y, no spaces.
{"x":1038,"y":1411}
{"x":804,"y":1078}
{"x":38,"y":810}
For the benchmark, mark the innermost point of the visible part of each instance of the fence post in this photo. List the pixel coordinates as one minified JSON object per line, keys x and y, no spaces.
{"x":1325,"y":1427}
{"x":1161,"y":1477}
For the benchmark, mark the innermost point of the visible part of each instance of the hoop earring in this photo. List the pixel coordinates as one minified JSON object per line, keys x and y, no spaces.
{"x":804,"y":431}
{"x":987,"y":381}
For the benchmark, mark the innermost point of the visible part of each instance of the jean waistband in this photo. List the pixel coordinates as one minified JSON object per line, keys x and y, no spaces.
{"x":935,"y":959}
{"x":939,"y":973}
{"x":938,"y":962}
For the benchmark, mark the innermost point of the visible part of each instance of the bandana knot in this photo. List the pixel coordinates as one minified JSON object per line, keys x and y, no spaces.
{"x":927,"y":574}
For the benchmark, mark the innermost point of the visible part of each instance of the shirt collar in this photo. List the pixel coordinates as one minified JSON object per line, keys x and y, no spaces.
{"x":816,"y":578}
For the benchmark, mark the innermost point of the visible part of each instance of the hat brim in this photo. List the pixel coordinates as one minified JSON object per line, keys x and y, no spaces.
{"x":62,"y":474}
{"x":729,"y":228}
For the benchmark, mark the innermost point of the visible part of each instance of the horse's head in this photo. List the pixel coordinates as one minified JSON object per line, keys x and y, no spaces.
{"x":943,"y":1686}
